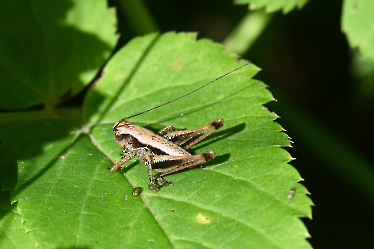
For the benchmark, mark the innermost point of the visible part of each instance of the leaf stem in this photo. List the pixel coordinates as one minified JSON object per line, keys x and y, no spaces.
{"x":138,"y":16}
{"x":247,"y":31}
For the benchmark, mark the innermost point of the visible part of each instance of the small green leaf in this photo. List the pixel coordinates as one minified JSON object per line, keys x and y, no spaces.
{"x":273,"y":5}
{"x":50,"y":50}
{"x":358,"y":24}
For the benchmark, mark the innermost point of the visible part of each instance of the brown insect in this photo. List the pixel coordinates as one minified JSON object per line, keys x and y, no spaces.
{"x":163,"y":152}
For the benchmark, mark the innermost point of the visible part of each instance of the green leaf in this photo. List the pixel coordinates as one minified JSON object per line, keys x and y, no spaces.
{"x":273,"y":5}
{"x":67,"y":198}
{"x":50,"y":50}
{"x":358,"y":23}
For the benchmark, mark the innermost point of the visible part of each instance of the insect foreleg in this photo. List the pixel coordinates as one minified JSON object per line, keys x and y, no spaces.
{"x":124,"y":160}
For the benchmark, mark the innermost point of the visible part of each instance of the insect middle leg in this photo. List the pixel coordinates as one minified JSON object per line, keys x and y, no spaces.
{"x":173,"y":164}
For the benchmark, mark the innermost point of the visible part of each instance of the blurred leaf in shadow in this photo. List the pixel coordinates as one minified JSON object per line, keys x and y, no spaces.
{"x":50,"y":50}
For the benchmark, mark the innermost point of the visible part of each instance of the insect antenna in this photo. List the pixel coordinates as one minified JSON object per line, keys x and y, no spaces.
{"x":182,"y":95}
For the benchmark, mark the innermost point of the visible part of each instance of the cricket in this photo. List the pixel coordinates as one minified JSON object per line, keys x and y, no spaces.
{"x":167,"y":151}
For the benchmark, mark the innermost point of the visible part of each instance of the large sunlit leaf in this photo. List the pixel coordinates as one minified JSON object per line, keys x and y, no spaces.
{"x":63,"y":196}
{"x":358,"y":24}
{"x":50,"y":50}
{"x":273,"y":5}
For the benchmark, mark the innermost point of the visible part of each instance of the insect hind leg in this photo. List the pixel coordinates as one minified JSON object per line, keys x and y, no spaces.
{"x":211,"y":128}
{"x":185,"y":161}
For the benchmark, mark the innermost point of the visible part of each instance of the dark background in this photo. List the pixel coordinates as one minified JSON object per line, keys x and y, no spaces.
{"x":307,"y":63}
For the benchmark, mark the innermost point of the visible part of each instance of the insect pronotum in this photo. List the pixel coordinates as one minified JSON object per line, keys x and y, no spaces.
{"x":163,"y":152}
